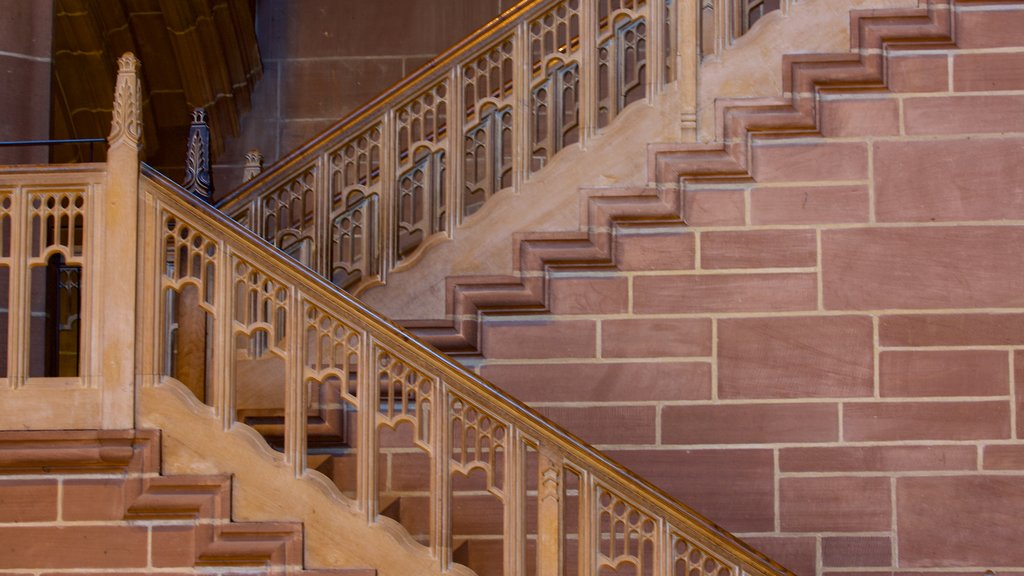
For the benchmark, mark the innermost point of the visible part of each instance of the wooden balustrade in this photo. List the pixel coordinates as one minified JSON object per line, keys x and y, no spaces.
{"x":173,"y":289}
{"x":340,"y":377}
{"x":371,"y":194}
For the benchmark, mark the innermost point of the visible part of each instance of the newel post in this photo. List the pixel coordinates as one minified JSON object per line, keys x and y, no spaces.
{"x":116,"y":264}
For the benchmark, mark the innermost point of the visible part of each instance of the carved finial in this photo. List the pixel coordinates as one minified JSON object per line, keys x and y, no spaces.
{"x":197,"y":159}
{"x":126,"y":127}
{"x":253,"y":165}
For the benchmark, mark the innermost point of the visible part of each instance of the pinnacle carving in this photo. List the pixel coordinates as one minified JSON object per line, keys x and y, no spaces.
{"x":126,"y":124}
{"x":198,"y":180}
{"x":253,"y":165}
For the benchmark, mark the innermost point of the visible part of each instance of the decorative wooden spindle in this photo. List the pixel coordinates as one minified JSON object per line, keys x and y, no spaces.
{"x":197,"y":159}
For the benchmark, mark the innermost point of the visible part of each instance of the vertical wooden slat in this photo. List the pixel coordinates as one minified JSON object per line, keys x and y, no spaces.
{"x":521,"y":108}
{"x":589,"y":532}
{"x":656,"y":41}
{"x":18,"y":303}
{"x":388,"y":181}
{"x":440,"y":481}
{"x":223,"y":385}
{"x":456,"y":149}
{"x":515,"y":503}
{"x":322,"y":217}
{"x":369,"y":404}
{"x":295,"y":389}
{"x":550,"y":511}
{"x":688,"y":40}
{"x":588,"y":58}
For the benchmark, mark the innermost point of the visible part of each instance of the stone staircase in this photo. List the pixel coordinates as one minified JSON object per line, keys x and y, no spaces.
{"x":93,"y":500}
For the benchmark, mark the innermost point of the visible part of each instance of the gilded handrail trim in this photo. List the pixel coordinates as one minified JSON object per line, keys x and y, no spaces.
{"x":530,"y":422}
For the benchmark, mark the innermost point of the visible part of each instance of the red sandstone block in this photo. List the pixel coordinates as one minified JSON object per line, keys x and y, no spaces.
{"x":656,"y":338}
{"x":734,"y":488}
{"x":410,"y":471}
{"x":944,"y":373}
{"x":949,"y":267}
{"x":873,"y":421}
{"x":661,"y":249}
{"x":471,"y":515}
{"x":918,"y":73}
{"x":856,"y":551}
{"x":28,"y":500}
{"x":842,"y":504}
{"x":960,"y":521}
{"x":963,"y":115}
{"x":987,"y":72}
{"x":860,"y":117}
{"x":94,"y":499}
{"x":795,"y":357}
{"x":797,"y":553}
{"x":951,"y":330}
{"x":595,"y":295}
{"x":759,"y":249}
{"x":1018,"y":370}
{"x":618,"y":425}
{"x":992,"y":28}
{"x":174,"y":546}
{"x":815,"y":161}
{"x":109,"y":546}
{"x":749,"y":423}
{"x":724,"y":293}
{"x":1003,"y":457}
{"x":878,"y":458}
{"x":613,"y":382}
{"x":540,"y":339}
{"x":949,"y":180}
{"x":713,"y":207}
{"x":809,"y":205}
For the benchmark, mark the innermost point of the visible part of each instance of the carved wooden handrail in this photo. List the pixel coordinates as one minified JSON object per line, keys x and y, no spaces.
{"x":364,"y":197}
{"x":259,"y":306}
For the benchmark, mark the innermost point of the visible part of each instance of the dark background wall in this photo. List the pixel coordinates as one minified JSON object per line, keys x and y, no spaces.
{"x":25,"y":32}
{"x":322,"y":59}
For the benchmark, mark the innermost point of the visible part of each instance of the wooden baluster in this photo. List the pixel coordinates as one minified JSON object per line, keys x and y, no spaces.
{"x":324,"y":201}
{"x":663,"y":549}
{"x":440,"y":481}
{"x":656,"y":41}
{"x":688,"y":40}
{"x":388,"y":216}
{"x":223,"y":370}
{"x":522,"y":149}
{"x":296,"y":399}
{"x":588,"y":58}
{"x":456,"y":152}
{"x":368,"y":394}
{"x":550,"y":511}
{"x":515,"y":503}
{"x":18,"y":296}
{"x":589,"y":532}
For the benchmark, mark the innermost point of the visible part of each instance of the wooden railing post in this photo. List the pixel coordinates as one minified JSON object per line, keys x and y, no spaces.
{"x":116,"y":269}
{"x":550,"y":512}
